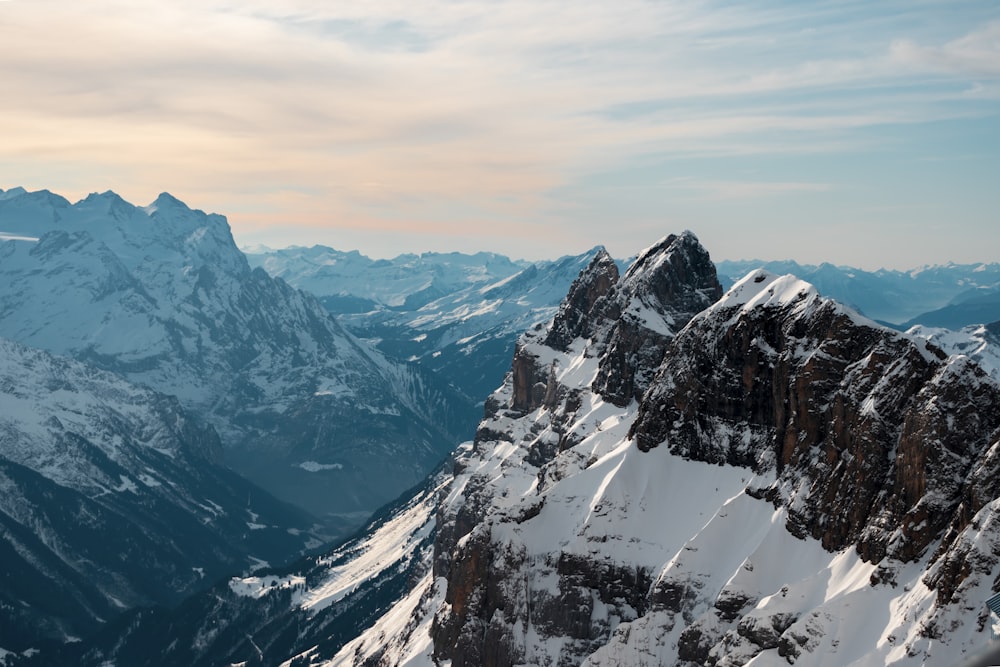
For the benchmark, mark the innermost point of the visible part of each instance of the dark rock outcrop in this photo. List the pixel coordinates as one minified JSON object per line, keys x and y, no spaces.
{"x":625,"y":323}
{"x":629,"y":321}
{"x":575,"y":318}
{"x":885,"y":429}
{"x":666,"y":286}
{"x":560,"y":539}
{"x":872,"y":439}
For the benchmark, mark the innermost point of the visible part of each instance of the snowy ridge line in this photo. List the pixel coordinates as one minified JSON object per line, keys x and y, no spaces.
{"x":666,"y":557}
{"x":884,"y":295}
{"x":977,"y":342}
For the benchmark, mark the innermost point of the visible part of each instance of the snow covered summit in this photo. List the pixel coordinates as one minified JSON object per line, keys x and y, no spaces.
{"x":794,"y":483}
{"x":669,"y":475}
{"x":161,"y":295}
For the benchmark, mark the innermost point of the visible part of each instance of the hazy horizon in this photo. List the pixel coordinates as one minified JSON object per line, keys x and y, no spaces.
{"x":252,"y":247}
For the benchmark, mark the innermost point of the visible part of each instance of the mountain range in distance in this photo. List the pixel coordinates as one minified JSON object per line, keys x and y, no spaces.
{"x":461,"y":314}
{"x":351,"y":282}
{"x":162,"y":296}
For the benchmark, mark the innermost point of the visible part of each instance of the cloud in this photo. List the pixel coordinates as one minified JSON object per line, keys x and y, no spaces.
{"x":974,"y":54}
{"x":464,"y":113}
{"x":746,"y":189}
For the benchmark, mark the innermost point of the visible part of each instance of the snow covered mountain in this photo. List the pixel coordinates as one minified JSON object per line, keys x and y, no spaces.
{"x":668,"y":475}
{"x":348,"y":281}
{"x":979,"y":342}
{"x":797,"y":484}
{"x":113,"y":497}
{"x":468,"y":336}
{"x":161,"y":295}
{"x":458,"y":315}
{"x":965,"y":292}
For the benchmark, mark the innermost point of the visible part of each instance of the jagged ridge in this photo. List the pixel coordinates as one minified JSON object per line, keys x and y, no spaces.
{"x":575,"y":529}
{"x":710,"y":536}
{"x":162,"y":295}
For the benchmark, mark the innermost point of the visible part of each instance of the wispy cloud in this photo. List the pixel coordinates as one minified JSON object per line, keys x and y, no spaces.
{"x":436,"y":110}
{"x":971,"y":55}
{"x":745,"y":189}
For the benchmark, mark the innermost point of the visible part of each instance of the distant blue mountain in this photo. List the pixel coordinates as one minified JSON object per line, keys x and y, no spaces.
{"x":899,"y":298}
{"x":977,"y":306}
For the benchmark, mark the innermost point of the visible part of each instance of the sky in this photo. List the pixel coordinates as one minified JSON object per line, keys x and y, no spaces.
{"x":859,"y":133}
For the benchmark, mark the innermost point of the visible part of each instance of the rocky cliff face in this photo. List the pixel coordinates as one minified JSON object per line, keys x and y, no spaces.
{"x":665,"y":286}
{"x":671,"y":477}
{"x":627,"y":322}
{"x":582,"y":373}
{"x":872,"y":433}
{"x":161,"y":295}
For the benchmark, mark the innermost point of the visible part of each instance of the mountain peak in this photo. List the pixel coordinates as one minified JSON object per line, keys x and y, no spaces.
{"x":164,"y":202}
{"x":676,"y":272}
{"x":575,"y":316}
{"x":650,"y":257}
{"x":16,"y":191}
{"x":600,"y":255}
{"x":106,"y":195}
{"x":763,"y":288}
{"x":107,"y":203}
{"x":668,"y":284}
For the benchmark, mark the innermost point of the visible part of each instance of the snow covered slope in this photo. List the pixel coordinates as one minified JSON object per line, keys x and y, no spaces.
{"x":794,"y":484}
{"x":162,"y":295}
{"x":671,"y":476}
{"x":112,"y":497}
{"x":978,"y":342}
